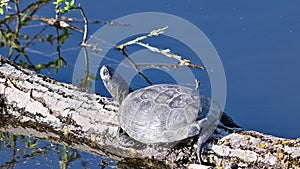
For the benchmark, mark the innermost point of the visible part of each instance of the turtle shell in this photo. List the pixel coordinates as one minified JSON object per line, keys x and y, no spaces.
{"x":163,"y":113}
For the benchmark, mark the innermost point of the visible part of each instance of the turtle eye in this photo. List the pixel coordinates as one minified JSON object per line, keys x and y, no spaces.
{"x":105,"y":72}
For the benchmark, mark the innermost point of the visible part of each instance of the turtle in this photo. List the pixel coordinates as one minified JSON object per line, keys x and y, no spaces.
{"x":163,"y":113}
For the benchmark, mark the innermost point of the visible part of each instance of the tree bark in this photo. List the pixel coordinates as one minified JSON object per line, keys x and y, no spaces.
{"x":40,"y":107}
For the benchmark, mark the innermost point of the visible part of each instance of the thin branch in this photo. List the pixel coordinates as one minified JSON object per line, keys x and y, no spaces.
{"x":166,"y":52}
{"x":135,"y":66}
{"x":156,"y":32}
{"x":163,"y":66}
{"x":56,"y":12}
{"x":57,"y":43}
{"x":33,"y":4}
{"x":16,"y":32}
{"x":112,"y":23}
{"x":57,"y":32}
{"x":35,"y":36}
{"x":87,"y":65}
{"x":85,"y":33}
{"x":18,"y":24}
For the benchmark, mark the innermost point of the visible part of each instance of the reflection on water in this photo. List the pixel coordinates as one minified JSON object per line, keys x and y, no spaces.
{"x":25,"y":152}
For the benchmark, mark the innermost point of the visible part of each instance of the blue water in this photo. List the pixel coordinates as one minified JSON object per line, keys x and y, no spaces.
{"x":258,"y":43}
{"x":26,"y":153}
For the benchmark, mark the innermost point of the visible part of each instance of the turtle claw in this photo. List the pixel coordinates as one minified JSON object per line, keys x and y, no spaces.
{"x":199,"y":150}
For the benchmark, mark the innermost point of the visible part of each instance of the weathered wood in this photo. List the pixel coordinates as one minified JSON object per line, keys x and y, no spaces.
{"x":37,"y":106}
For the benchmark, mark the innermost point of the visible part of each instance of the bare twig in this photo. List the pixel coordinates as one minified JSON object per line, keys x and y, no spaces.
{"x":35,"y":37}
{"x":135,"y":66}
{"x":85,"y":33}
{"x":166,"y":52}
{"x":57,"y":43}
{"x":87,"y":65}
{"x":56,"y":12}
{"x":17,"y":29}
{"x":57,"y":32}
{"x":164,"y":66}
{"x":18,"y":24}
{"x":156,"y":32}
{"x":176,"y":66}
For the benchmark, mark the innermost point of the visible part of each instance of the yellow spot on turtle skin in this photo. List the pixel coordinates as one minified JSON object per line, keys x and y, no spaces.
{"x":280,"y":155}
{"x":66,"y":130}
{"x":246,"y":138}
{"x":262,"y":145}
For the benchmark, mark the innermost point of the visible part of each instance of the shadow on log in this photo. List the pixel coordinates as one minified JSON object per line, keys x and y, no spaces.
{"x":40,"y":107}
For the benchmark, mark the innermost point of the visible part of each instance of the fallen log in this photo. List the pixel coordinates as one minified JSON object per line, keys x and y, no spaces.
{"x":37,"y":106}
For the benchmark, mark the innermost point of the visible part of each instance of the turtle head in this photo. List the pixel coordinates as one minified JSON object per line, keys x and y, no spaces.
{"x":114,"y":83}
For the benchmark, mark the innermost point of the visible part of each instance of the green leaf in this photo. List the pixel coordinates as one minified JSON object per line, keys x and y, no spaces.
{"x":59,"y":63}
{"x":58,"y":2}
{"x":3,"y":1}
{"x":62,"y":11}
{"x":38,"y":67}
{"x":72,"y":3}
{"x":25,"y":14}
{"x":66,"y":8}
{"x":26,"y":36}
{"x":1,"y":11}
{"x":50,"y":39}
{"x":32,"y":145}
{"x":8,"y":35}
{"x":64,"y":36}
